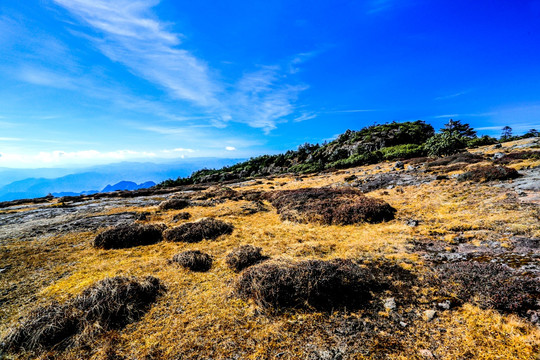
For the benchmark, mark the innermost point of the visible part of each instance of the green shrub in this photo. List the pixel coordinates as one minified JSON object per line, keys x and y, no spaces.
{"x":405,"y":151}
{"x":444,"y":144}
{"x":481,"y":141}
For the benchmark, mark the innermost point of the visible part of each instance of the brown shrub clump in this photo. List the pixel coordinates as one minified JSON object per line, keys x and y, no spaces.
{"x":316,"y":284}
{"x":488,"y":285}
{"x":182,"y":216}
{"x":489,"y":173}
{"x":109,"y":304}
{"x":46,"y":327}
{"x":205,"y":228}
{"x":219,"y":193}
{"x":329,"y":206}
{"x":463,"y":157}
{"x":174,"y":204}
{"x":118,"y":301}
{"x":194,"y":260}
{"x":244,"y":256}
{"x":129,"y":235}
{"x":517,"y":156}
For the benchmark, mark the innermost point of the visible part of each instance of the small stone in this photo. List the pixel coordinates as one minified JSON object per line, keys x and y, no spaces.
{"x":399,"y":165}
{"x":390,"y":304}
{"x":425,"y":353}
{"x":429,"y":315}
{"x":498,"y":155}
{"x":412,"y":223}
{"x":497,"y":146}
{"x":403,"y":324}
{"x":410,"y":168}
{"x":445,"y":305}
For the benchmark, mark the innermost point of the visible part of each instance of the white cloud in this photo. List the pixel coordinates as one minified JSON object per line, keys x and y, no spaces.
{"x":305,"y":116}
{"x":84,"y":157}
{"x":454,"y":95}
{"x":230,"y":148}
{"x":129,"y":33}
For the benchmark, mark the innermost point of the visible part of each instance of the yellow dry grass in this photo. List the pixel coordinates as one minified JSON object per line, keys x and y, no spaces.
{"x":200,"y":318}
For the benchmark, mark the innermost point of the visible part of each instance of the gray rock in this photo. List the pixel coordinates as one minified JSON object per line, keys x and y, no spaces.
{"x":412,"y":223}
{"x":429,"y":315}
{"x":498,"y":155}
{"x":389,"y":304}
{"x":426,"y":354}
{"x":399,"y":165}
{"x":445,"y":305}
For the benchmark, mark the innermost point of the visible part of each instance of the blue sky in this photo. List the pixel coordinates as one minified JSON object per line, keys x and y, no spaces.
{"x":92,"y":81}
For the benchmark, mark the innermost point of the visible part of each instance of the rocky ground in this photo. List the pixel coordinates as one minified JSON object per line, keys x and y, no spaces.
{"x":416,"y":308}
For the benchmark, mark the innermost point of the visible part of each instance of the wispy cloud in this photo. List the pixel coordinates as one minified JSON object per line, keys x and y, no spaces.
{"x":453,"y":95}
{"x":128,"y":32}
{"x":350,"y":111}
{"x":59,"y":157}
{"x":376,"y":6}
{"x":445,"y":116}
{"x":305,"y":116}
{"x":131,"y":35}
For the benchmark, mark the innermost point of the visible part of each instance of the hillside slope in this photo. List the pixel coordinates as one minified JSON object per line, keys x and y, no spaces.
{"x":451,"y":273}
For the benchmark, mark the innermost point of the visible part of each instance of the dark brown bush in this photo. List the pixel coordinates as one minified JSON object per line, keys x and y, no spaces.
{"x":205,"y":228}
{"x":109,"y":304}
{"x":329,"y":206}
{"x":218,"y":193}
{"x":194,"y":260}
{"x":129,"y":235}
{"x":118,"y":301}
{"x":174,"y":204}
{"x":182,"y":216}
{"x":488,"y":285}
{"x":517,"y":156}
{"x":46,"y":327}
{"x":464,"y":157}
{"x":316,"y":284}
{"x":244,"y":256}
{"x":489,"y":173}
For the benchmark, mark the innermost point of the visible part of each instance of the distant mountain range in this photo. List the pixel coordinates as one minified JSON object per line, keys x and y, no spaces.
{"x":31,"y":183}
{"x":122,"y":185}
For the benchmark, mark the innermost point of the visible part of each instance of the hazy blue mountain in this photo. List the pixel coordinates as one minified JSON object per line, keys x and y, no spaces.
{"x":128,"y":185}
{"x":30,"y":183}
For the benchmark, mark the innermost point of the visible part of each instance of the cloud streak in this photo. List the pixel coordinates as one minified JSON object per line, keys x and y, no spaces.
{"x":58,"y":157}
{"x":128,"y":32}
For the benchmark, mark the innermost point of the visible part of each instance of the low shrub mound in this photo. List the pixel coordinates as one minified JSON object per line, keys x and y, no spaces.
{"x":462,"y":157}
{"x":329,"y":206}
{"x":517,"y":156}
{"x":489,"y":173}
{"x":46,"y":327}
{"x":315,"y":284}
{"x":109,"y":304}
{"x":118,"y":301}
{"x":194,"y":260}
{"x":182,"y":216}
{"x":174,"y":204}
{"x":488,"y":285}
{"x":218,"y":193}
{"x":129,"y":235}
{"x":244,"y":256}
{"x":205,"y":228}
{"x":253,"y":207}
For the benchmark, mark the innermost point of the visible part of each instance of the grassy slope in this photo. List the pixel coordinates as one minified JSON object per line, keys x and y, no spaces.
{"x":200,"y":318}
